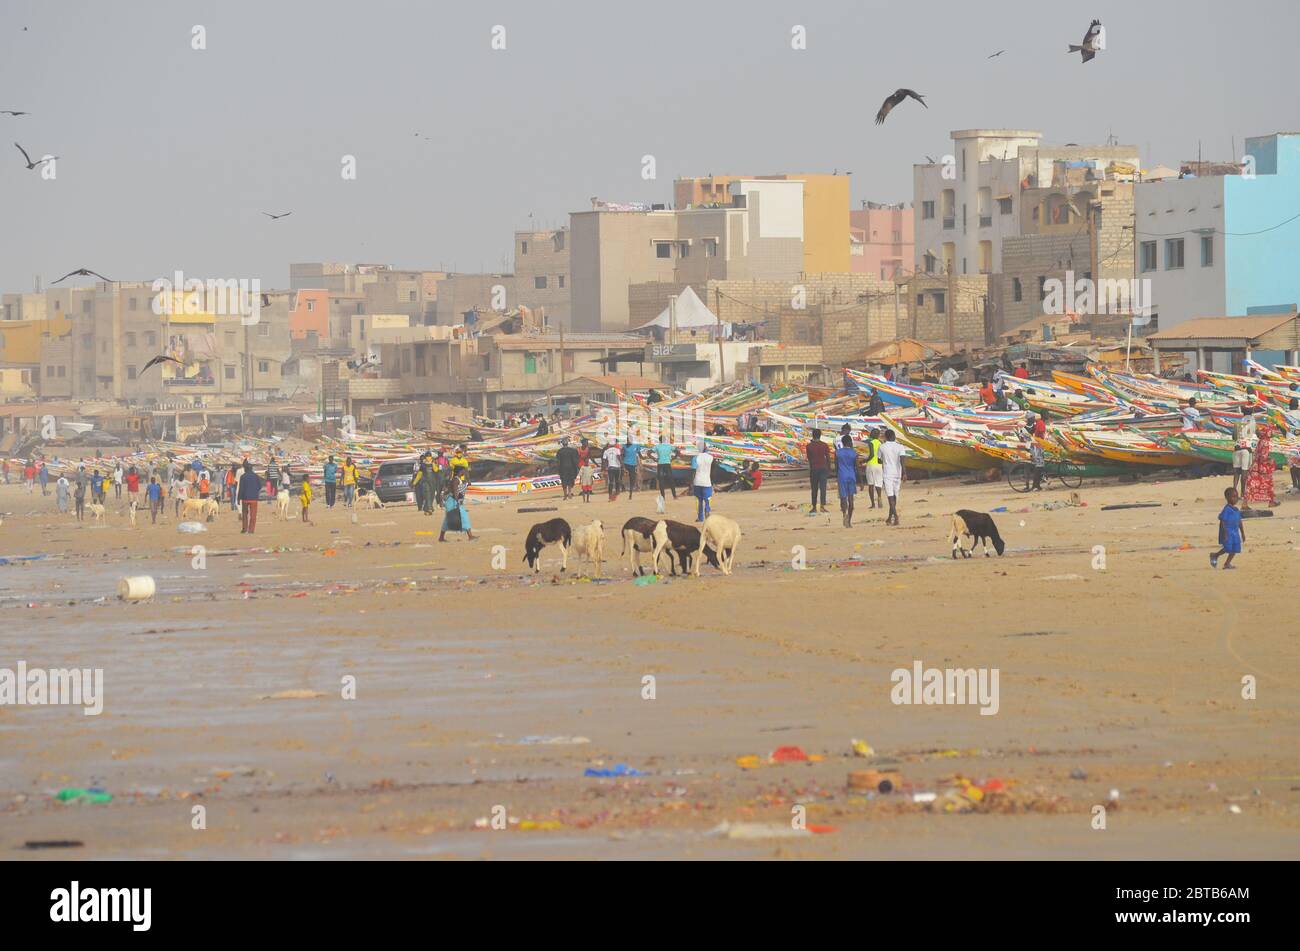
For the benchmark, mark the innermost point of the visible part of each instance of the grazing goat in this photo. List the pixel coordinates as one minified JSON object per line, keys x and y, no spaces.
{"x":195,"y":508}
{"x":368,"y":500}
{"x":130,"y":511}
{"x":680,"y":539}
{"x":553,"y":532}
{"x":96,"y":512}
{"x":638,"y":540}
{"x":724,"y":535}
{"x":281,"y":504}
{"x":589,"y":542}
{"x":978,"y":527}
{"x":211,"y":509}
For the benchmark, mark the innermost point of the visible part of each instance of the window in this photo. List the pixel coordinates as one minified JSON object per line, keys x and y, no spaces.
{"x":1004,"y":206}
{"x":263,"y":329}
{"x":63,"y":371}
{"x":150,"y":338}
{"x":530,"y":363}
{"x":1207,"y":250}
{"x":683,"y":249}
{"x":1042,"y":289}
{"x":362,"y":324}
{"x":523,"y":247}
{"x":130,"y":373}
{"x":311,"y":305}
{"x":263,"y":366}
{"x":1148,"y":256}
{"x":920,"y":300}
{"x":663,"y":249}
{"x":87,"y":341}
{"x":85,"y":307}
{"x":927,"y":209}
{"x":539,"y":283}
{"x":130,"y":339}
{"x":930,"y":262}
{"x":710,"y":247}
{"x":49,"y":371}
{"x":230,"y":371}
{"x":896,"y":236}
{"x":411,"y":296}
{"x":559,"y":241}
{"x":1017,"y":292}
{"x":1173,"y":254}
{"x":939,"y":302}
{"x":559,"y":279}
{"x":130,"y":304}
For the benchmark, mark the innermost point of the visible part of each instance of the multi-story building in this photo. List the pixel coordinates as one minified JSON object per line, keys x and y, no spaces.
{"x":459,"y":293}
{"x":1222,"y":244}
{"x":880,"y":240}
{"x":970,"y":200}
{"x":757,"y":235}
{"x":824,"y":206}
{"x":542,"y":274}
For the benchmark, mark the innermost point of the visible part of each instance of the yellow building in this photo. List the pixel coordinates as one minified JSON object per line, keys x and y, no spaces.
{"x":825,"y":213}
{"x":20,"y":340}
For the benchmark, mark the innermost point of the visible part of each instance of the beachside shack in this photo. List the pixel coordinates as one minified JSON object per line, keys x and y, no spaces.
{"x":1223,"y":344}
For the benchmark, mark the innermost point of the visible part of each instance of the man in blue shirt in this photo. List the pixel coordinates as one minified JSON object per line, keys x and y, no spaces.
{"x":154,"y":495}
{"x":846,"y":473}
{"x":664,"y":453}
{"x":250,"y":488}
{"x":331,"y":480}
{"x":631,"y":459}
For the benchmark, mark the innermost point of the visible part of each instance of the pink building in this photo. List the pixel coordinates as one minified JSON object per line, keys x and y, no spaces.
{"x":880,"y":240}
{"x":311,"y":312}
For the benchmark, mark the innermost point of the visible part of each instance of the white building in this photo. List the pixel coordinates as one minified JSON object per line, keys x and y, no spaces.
{"x":969,"y":199}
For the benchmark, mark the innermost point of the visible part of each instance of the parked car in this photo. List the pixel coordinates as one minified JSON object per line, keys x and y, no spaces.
{"x":392,"y":481}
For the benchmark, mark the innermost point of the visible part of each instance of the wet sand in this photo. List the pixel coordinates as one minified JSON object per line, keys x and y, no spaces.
{"x":1126,"y":679}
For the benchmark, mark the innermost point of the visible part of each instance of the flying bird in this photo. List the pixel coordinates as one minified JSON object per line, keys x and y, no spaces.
{"x":161,"y":358}
{"x":995,"y":55}
{"x":894,"y":100}
{"x":274,"y":217}
{"x":28,"y":159}
{"x":81,"y":272}
{"x":11,"y":112}
{"x":1093,"y":41}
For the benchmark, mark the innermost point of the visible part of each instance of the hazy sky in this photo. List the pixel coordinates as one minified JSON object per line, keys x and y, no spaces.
{"x":169,"y":155}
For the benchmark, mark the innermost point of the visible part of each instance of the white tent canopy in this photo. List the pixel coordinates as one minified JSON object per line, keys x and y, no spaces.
{"x":691,"y":313}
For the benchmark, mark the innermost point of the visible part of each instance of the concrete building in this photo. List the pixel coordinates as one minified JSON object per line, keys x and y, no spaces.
{"x":824,"y":206}
{"x":970,"y":200}
{"x":542,"y":274}
{"x":1221,"y":244}
{"x":458,"y":293}
{"x":881,"y":240}
{"x":757,"y":235}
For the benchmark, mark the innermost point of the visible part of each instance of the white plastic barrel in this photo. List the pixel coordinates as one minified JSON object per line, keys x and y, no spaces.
{"x":138,"y":588}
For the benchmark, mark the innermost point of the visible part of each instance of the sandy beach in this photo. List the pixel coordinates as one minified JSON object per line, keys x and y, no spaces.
{"x":482,"y":695}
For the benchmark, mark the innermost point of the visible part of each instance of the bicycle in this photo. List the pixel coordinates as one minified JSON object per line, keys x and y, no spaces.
{"x":1020,"y":475}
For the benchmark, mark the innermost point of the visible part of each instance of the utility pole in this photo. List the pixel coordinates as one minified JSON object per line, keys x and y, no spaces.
{"x":722,"y":357}
{"x":952,"y":306}
{"x":561,"y":354}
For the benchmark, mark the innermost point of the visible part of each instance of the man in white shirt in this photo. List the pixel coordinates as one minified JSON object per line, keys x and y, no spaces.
{"x":703,"y":483}
{"x":1191,"y":416}
{"x":948,"y":377}
{"x":891,"y":460}
{"x":118,"y":475}
{"x":613,"y":457}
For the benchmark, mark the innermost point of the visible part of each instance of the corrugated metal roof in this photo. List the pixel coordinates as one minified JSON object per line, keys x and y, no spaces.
{"x":1224,"y":328}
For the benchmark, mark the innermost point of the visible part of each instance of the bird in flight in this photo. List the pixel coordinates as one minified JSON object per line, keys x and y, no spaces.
{"x":161,"y":358}
{"x":1093,"y":41}
{"x":28,"y":159}
{"x":894,"y":100}
{"x":81,"y":272}
{"x":12,"y":112}
{"x":995,"y":55}
{"x":274,"y":217}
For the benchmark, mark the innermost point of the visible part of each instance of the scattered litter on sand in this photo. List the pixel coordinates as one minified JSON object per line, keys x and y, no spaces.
{"x":292,"y":695}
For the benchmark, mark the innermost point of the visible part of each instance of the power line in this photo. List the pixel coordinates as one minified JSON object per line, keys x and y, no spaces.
{"x":1230,"y":234}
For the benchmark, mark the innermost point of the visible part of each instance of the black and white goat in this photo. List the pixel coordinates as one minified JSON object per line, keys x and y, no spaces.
{"x":684,"y":541}
{"x":977,"y":526}
{"x":553,"y":532}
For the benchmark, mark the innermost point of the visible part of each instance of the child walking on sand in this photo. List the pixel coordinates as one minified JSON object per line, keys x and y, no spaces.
{"x":304,"y":496}
{"x":1231,"y":532}
{"x":586,"y":476}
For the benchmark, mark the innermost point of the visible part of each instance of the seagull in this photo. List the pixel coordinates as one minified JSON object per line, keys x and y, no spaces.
{"x":161,"y":358}
{"x":28,"y":158}
{"x":275,"y":217}
{"x":82,"y":272}
{"x":1088,"y":48}
{"x":894,"y":100}
{"x":995,"y":55}
{"x":11,"y":112}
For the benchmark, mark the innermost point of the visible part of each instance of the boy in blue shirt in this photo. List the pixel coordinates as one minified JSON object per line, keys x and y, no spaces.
{"x":631,"y":460}
{"x":154,"y":495}
{"x":846,"y":466}
{"x":1231,"y":532}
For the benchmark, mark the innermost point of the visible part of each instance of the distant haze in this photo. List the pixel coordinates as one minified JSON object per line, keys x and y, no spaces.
{"x":169,"y":155}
